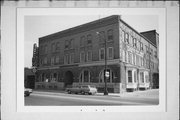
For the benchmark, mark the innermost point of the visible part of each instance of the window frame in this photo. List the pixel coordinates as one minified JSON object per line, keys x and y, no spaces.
{"x":81,"y":61}
{"x":100,"y":53}
{"x":110,"y":35}
{"x":108,"y":53}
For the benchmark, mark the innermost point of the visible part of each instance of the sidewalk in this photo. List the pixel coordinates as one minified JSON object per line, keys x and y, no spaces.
{"x":152,"y":93}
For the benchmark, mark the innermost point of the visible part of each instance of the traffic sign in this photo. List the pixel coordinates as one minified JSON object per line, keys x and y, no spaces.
{"x":107,"y":74}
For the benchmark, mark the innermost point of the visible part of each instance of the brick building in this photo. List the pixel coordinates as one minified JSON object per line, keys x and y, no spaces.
{"x":77,"y":56}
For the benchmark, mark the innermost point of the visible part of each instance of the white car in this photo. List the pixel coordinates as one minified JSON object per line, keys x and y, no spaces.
{"x":29,"y":89}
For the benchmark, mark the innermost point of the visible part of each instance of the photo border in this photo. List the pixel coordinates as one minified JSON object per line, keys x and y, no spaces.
{"x":22,"y":12}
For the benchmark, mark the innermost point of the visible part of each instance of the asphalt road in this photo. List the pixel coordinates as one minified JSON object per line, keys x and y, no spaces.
{"x":64,"y":99}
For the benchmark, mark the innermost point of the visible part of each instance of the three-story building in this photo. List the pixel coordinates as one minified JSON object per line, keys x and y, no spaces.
{"x":77,"y":56}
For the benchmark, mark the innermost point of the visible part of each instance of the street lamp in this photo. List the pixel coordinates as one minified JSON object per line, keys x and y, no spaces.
{"x":106,"y":72}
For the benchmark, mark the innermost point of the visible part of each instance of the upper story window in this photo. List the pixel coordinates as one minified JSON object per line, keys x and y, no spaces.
{"x":46,"y":49}
{"x":130,"y":39}
{"x":101,"y":36}
{"x":89,"y":39}
{"x":123,"y":36}
{"x":57,"y":46}
{"x":134,"y":42}
{"x":82,"y":56}
{"x":147,"y":49}
{"x":53,"y":47}
{"x":82,"y":41}
{"x":110,"y":35}
{"x":57,"y":59}
{"x":52,"y":60}
{"x":45,"y":60}
{"x":66,"y":44}
{"x":129,"y":57}
{"x":141,"y":46}
{"x":101,"y":54}
{"x":110,"y":53}
{"x":89,"y":56}
{"x":71,"y":43}
{"x":127,"y":38}
{"x":66,"y":59}
{"x":155,"y":54}
{"x":71,"y":58}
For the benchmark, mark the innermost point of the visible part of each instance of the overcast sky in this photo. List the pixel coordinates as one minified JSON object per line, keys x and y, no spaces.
{"x":39,"y":26}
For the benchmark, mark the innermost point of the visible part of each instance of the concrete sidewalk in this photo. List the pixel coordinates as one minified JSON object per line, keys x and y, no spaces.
{"x":152,"y":93}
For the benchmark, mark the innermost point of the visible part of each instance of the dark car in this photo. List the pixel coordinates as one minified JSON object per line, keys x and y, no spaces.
{"x":26,"y":92}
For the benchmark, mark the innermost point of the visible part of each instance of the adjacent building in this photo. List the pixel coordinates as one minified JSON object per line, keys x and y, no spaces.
{"x":77,"y":56}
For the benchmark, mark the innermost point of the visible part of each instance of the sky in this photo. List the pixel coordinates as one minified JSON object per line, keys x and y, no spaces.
{"x":39,"y":26}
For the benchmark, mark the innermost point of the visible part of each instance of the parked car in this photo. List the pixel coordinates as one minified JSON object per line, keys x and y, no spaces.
{"x":82,"y":89}
{"x":27,"y":92}
{"x":29,"y":89}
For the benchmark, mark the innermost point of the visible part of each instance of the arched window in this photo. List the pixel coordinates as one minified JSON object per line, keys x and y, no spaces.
{"x":85,"y":76}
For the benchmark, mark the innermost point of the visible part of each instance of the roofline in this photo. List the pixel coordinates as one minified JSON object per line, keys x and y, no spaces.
{"x":80,"y":26}
{"x":138,"y":33}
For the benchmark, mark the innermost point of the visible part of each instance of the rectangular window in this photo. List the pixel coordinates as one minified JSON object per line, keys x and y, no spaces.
{"x":66,"y":44}
{"x":134,"y":58}
{"x":57,"y":46}
{"x":110,"y":35}
{"x":135,"y":76}
{"x":101,"y":36}
{"x":82,"y":41}
{"x":129,"y":57}
{"x":110,"y":53}
{"x":57,"y":59}
{"x":89,"y":39}
{"x":102,"y":54}
{"x":130,"y":39}
{"x":129,"y":76}
{"x":127,"y":38}
{"x":45,"y":49}
{"x":123,"y":36}
{"x":45,"y":60}
{"x":123,"y":56}
{"x":71,"y":43}
{"x":89,"y":56}
{"x":52,"y":60}
{"x":141,"y":46}
{"x":155,"y":54}
{"x":137,"y":60}
{"x":147,"y":49}
{"x":66,"y":59}
{"x":141,"y":77}
{"x":53,"y":47}
{"x":71,"y":58}
{"x":82,"y":57}
{"x":134,"y":42}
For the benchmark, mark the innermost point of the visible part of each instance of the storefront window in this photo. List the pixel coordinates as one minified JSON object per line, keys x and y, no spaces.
{"x":141,"y":77}
{"x":135,"y":76}
{"x":129,"y":76}
{"x":85,"y":76}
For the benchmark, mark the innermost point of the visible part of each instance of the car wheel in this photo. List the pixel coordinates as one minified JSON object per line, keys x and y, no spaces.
{"x":90,"y":93}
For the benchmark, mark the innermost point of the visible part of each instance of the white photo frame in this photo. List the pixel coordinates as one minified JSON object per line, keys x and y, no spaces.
{"x":15,"y":98}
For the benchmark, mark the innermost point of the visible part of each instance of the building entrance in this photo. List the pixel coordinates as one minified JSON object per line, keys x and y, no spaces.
{"x":68,"y":79}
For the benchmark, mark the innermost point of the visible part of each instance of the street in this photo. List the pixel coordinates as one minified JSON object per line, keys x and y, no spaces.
{"x":64,"y":99}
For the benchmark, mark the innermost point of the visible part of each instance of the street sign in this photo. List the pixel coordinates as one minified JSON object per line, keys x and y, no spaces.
{"x":107,"y":73}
